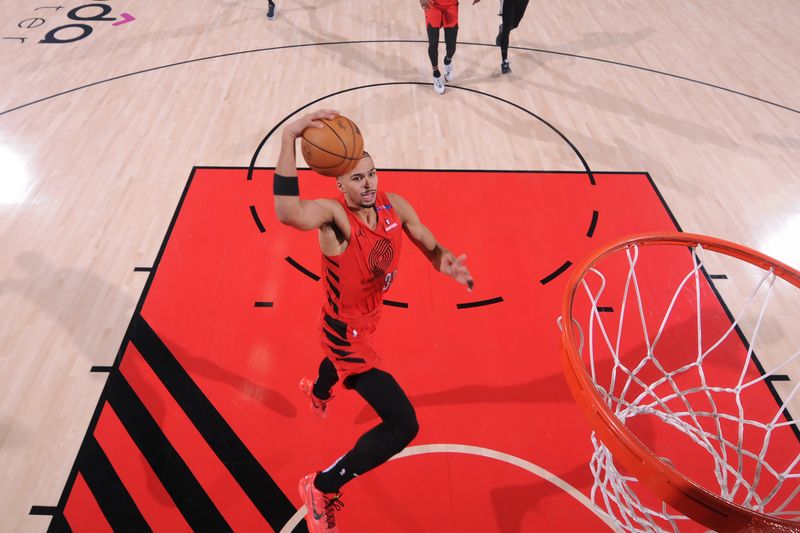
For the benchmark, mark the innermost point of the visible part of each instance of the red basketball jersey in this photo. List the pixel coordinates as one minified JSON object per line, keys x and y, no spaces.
{"x":356,"y":279}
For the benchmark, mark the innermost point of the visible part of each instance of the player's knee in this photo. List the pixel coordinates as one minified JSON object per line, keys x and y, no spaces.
{"x":407,"y":428}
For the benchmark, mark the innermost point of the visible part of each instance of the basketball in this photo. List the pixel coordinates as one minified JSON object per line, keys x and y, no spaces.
{"x":335,"y":149}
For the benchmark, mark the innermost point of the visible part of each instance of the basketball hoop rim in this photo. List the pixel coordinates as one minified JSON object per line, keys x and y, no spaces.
{"x":665,"y":481}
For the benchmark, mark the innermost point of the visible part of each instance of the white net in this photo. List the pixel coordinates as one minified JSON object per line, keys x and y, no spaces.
{"x":680,"y":369}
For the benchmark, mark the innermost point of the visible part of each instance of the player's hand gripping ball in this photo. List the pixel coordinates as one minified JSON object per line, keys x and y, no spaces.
{"x":334,"y":149}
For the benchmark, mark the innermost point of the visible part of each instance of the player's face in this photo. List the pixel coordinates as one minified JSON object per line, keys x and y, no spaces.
{"x":360,"y":186}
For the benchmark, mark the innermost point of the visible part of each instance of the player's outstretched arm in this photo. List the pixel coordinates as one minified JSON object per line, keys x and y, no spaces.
{"x":290,"y":209}
{"x":439,"y":256}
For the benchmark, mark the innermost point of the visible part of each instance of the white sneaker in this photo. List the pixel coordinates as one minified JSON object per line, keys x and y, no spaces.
{"x":448,"y":71}
{"x":438,"y":84}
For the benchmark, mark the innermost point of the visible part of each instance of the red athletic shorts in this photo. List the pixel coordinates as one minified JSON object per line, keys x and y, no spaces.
{"x":349,"y":344}
{"x":441,"y":14}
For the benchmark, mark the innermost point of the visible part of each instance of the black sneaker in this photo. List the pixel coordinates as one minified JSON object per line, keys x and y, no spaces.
{"x":505,"y":68}
{"x":271,"y":11}
{"x":497,"y":39}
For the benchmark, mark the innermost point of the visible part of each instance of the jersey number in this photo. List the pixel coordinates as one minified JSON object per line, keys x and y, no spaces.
{"x":387,"y":281}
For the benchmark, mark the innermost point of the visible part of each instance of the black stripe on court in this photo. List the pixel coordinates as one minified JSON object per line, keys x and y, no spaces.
{"x":302,"y":269}
{"x":593,"y":223}
{"x":718,"y":276}
{"x":263,"y":304}
{"x":113,"y":498}
{"x":560,"y":270}
{"x":142,"y":269}
{"x":605,"y":309}
{"x":59,"y":524}
{"x":189,"y":496}
{"x":256,"y":482}
{"x":101,"y":369}
{"x":392,"y":303}
{"x":257,"y":219}
{"x":480,"y":303}
{"x":43,"y":510}
{"x":778,"y":377}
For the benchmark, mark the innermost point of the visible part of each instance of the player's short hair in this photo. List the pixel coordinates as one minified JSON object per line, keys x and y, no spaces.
{"x":363,"y":155}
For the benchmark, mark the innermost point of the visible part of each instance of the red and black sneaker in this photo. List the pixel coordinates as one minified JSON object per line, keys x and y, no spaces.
{"x":317,"y":406}
{"x":320,"y":507}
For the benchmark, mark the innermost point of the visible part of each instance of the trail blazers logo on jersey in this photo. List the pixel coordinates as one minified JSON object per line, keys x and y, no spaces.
{"x":381,"y":257}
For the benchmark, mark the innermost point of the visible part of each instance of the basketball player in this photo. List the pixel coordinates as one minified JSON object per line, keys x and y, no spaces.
{"x":441,"y":14}
{"x":360,"y":234}
{"x":512,"y":12}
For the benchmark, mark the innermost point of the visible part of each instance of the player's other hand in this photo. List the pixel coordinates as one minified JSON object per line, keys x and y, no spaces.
{"x":310,"y":120}
{"x":456,"y":269}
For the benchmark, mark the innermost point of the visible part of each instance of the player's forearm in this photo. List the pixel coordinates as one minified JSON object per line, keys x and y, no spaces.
{"x":436,"y":255}
{"x":285,"y":185}
{"x":427,"y":244}
{"x":287,"y":162}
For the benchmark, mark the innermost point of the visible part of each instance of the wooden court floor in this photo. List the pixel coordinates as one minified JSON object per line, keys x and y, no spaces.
{"x":99,"y":134}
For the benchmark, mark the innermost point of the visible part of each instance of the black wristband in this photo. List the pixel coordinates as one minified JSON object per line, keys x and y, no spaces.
{"x":285,"y":185}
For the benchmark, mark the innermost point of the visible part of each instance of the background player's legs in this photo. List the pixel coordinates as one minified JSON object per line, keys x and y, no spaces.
{"x":510,"y":8}
{"x":522,"y":6}
{"x":433,"y":54}
{"x":450,"y":35}
{"x":450,"y":24}
{"x":433,"y":47}
{"x":397,"y":429}
{"x":270,"y":10}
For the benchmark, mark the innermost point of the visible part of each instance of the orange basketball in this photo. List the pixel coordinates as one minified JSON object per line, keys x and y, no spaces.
{"x":335,"y":149}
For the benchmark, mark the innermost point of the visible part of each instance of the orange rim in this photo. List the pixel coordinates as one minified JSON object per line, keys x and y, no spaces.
{"x":677,"y":490}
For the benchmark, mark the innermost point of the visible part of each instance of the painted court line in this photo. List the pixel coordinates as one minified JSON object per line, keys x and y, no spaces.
{"x":481,"y":452}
